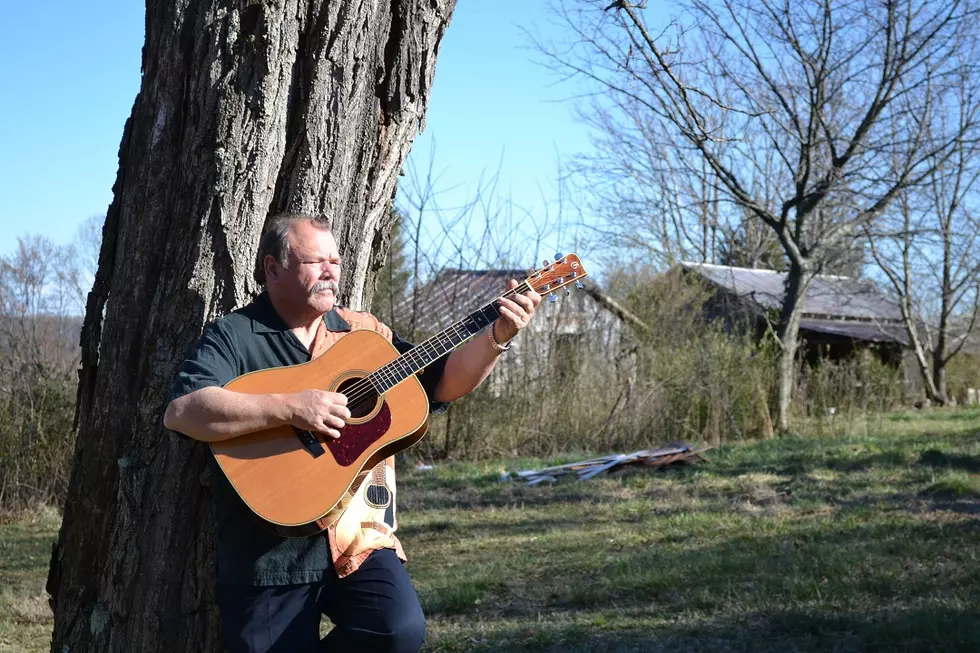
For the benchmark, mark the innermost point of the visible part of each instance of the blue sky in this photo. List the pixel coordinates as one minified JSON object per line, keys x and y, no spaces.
{"x":71,"y":74}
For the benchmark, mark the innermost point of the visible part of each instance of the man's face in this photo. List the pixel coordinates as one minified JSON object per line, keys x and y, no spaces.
{"x":312,"y":278}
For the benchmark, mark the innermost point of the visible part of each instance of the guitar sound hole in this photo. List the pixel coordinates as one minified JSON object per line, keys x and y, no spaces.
{"x":377,"y":496}
{"x":361,"y":397}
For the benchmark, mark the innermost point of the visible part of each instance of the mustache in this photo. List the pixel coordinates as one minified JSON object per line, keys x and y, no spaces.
{"x":320,"y":286}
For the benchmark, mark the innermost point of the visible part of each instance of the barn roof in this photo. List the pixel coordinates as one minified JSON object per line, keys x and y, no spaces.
{"x":833,"y":305}
{"x":868,"y":331}
{"x":828,"y":296}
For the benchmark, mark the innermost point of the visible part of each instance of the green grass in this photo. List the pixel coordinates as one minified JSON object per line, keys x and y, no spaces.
{"x":844,"y":543}
{"x":861,"y":543}
{"x":25,"y":551}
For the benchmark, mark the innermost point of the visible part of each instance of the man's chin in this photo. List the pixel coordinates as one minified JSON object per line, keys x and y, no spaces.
{"x":323,"y":301}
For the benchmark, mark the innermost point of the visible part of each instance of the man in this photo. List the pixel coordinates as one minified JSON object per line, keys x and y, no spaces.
{"x":272,"y":591}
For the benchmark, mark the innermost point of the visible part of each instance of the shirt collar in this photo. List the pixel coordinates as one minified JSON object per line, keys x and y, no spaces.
{"x":333,"y":321}
{"x":265,"y":319}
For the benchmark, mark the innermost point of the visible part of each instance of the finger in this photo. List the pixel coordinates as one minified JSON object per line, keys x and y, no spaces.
{"x":329,"y":432}
{"x":339,"y":411}
{"x":514,"y":307}
{"x":335,"y":421}
{"x":525,"y":303}
{"x":511,"y":284}
{"x":339,"y":399}
{"x":515,"y":320}
{"x":510,"y":314}
{"x":534,"y":297}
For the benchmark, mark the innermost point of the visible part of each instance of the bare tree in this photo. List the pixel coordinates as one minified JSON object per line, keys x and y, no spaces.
{"x":810,"y":117}
{"x":928,"y":248}
{"x":38,"y":358}
{"x":78,"y":263}
{"x":245,"y":109}
{"x":36,"y":325}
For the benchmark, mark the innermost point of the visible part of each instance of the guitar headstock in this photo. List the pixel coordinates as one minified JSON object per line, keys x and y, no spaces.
{"x":565,"y":269}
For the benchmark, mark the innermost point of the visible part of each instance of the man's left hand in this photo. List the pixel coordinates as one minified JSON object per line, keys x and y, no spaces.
{"x":516,"y":312}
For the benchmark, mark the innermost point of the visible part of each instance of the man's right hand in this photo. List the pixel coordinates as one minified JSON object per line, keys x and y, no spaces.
{"x":318,"y":411}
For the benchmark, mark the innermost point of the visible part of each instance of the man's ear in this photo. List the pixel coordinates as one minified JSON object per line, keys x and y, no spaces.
{"x":271,"y":267}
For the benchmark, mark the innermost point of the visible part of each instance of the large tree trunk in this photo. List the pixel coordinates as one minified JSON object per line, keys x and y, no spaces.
{"x":246,"y":109}
{"x":797,"y":281}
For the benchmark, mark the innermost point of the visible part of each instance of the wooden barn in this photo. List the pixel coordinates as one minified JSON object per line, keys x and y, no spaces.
{"x":841,"y":315}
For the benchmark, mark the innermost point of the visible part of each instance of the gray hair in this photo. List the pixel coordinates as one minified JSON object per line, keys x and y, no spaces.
{"x":275,"y":240}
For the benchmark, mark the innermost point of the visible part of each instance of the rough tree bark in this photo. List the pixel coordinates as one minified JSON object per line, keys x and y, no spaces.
{"x":246,"y":109}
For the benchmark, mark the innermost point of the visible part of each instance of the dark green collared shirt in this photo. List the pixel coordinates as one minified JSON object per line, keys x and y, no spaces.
{"x":251,"y":339}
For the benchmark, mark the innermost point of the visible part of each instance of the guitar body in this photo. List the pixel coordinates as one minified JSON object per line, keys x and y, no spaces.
{"x":297,"y":482}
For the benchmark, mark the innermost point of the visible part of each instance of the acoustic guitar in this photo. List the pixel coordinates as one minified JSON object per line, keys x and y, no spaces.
{"x":298,"y":482}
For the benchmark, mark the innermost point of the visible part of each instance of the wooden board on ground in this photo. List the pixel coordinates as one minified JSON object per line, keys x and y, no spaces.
{"x":671,"y":454}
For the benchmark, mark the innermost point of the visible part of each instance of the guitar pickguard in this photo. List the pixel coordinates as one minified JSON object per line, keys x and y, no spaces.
{"x":356,"y":438}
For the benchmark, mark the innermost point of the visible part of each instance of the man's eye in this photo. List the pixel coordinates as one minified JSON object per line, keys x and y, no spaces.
{"x":329,"y":262}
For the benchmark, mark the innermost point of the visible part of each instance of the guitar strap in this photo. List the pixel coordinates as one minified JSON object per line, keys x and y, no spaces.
{"x":369,"y":520}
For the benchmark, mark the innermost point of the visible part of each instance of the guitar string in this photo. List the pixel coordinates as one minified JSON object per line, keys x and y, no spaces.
{"x":363,"y":389}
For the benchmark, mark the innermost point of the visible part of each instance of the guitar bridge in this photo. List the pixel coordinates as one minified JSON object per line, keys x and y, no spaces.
{"x":310,"y":441}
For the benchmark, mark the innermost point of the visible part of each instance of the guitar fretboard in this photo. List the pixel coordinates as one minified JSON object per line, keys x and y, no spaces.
{"x":428,"y":352}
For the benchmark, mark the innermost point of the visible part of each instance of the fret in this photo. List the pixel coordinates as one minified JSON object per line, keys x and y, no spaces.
{"x":409,"y":364}
{"x":419,"y":359}
{"x":394,"y":373}
{"x":387,"y":378}
{"x":401,"y":369}
{"x":461,"y":332}
{"x":375,"y":383}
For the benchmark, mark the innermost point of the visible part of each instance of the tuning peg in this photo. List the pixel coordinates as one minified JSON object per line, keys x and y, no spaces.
{"x":545,"y":263}
{"x":567,"y":291}
{"x":579,"y":284}
{"x":552,"y":298}
{"x":558,"y":256}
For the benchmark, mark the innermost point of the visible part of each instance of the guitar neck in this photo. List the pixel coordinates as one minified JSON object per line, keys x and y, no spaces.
{"x":428,"y":352}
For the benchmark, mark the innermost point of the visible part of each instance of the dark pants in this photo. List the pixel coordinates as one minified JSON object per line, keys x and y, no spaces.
{"x":374,"y":610}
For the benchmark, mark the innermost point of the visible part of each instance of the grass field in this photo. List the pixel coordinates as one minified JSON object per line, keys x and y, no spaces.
{"x":849,"y":543}
{"x":25,"y":550}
